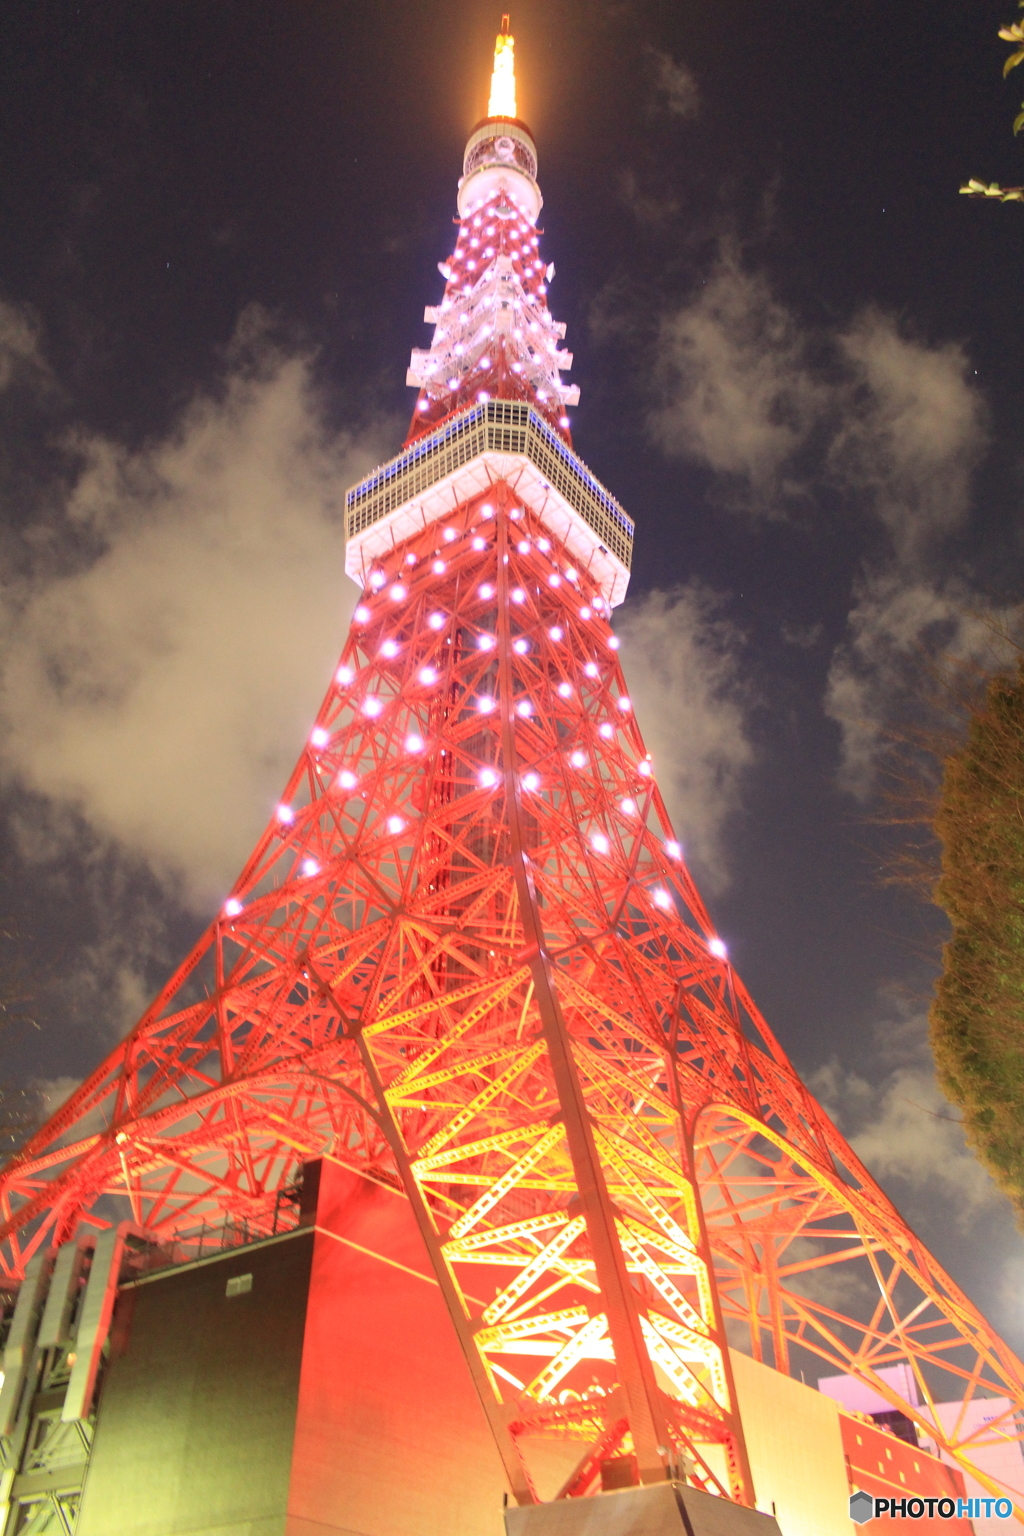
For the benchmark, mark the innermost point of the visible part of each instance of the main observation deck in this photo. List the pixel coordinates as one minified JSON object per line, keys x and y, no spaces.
{"x":490,"y":441}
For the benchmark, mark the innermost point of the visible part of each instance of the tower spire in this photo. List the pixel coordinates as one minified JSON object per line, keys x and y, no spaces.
{"x":502,"y":101}
{"x":493,"y":332}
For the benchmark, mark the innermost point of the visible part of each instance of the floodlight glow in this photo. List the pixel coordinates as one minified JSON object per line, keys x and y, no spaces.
{"x":518,"y":595}
{"x":717,"y":948}
{"x":591,"y":669}
{"x":674,"y":850}
{"x":347,"y":779}
{"x":438,"y":567}
{"x":427,"y":676}
{"x":565,"y":690}
{"x":613,"y":642}
{"x":555,"y":632}
{"x":389,"y":648}
{"x":450,"y":534}
{"x":523,"y":546}
{"x":644,"y":768}
{"x":436,"y":621}
{"x":372,"y":706}
{"x":585,"y":612}
{"x":395,"y":824}
{"x":362,"y":614}
{"x":554,"y":580}
{"x":479,"y":543}
{"x":485,"y":642}
{"x":310,"y":867}
{"x":397,"y":592}
{"x":578,"y":759}
{"x":662,"y":899}
{"x":414,"y":743}
{"x":524,"y":708}
{"x":285,"y":814}
{"x":627,"y":807}
{"x":531,"y":781}
{"x":625,"y":703}
{"x":377,"y":579}
{"x":232,"y":907}
{"x":606,"y":730}
{"x":520,"y":646}
{"x":487,"y":778}
{"x":344,"y":675}
{"x":486,"y":591}
{"x":599,"y":842}
{"x":318,"y":737}
{"x":485,"y":704}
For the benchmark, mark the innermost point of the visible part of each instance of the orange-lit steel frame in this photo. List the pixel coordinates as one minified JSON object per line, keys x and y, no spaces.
{"x":467,"y":957}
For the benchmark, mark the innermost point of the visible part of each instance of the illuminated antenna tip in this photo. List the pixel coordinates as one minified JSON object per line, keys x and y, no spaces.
{"x":503,"y":80}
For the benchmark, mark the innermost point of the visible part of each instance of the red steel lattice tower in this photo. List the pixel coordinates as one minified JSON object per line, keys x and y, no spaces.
{"x":467,"y":957}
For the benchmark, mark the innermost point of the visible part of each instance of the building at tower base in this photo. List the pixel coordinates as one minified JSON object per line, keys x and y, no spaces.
{"x":310,"y":1383}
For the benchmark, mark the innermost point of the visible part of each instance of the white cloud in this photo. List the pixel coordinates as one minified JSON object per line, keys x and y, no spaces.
{"x":878,"y":679}
{"x":681,"y":660}
{"x":20,"y":355}
{"x":675,"y":84}
{"x":913,"y":432}
{"x":735,"y":387}
{"x":161,"y":690}
{"x":905,"y":1132}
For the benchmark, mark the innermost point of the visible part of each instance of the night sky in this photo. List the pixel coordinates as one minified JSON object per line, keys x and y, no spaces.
{"x":799,"y":356}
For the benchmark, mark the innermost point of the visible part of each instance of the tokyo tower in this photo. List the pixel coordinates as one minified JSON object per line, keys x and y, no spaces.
{"x":467,"y":961}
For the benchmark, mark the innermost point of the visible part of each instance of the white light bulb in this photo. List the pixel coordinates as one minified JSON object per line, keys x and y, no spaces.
{"x":436,"y":621}
{"x":395,"y":824}
{"x":485,"y":704}
{"x":362,"y":614}
{"x":389,"y":648}
{"x":524,"y":708}
{"x":673,"y":850}
{"x":662,"y":899}
{"x":613,"y":642}
{"x":627,"y":807}
{"x":565,"y":690}
{"x":591,"y":669}
{"x":578,"y":760}
{"x":397,"y":592}
{"x":585,"y":612}
{"x":625,"y":703}
{"x":232,"y":907}
{"x":644,"y":768}
{"x":606,"y":730}
{"x":318,"y":737}
{"x":487,"y":777}
{"x":717,"y":948}
{"x":520,"y":646}
{"x":531,"y":782}
{"x":310,"y":867}
{"x":347,"y":780}
{"x":438,"y":567}
{"x":485,"y":642}
{"x":344,"y":675}
{"x":372,"y":706}
{"x":599,"y":842}
{"x":410,"y":558}
{"x":486,"y":590}
{"x":285,"y":814}
{"x":414,"y":743}
{"x":523,"y":546}
{"x":544,"y":544}
{"x":377,"y":579}
{"x":518,"y":595}
{"x":450,"y":534}
{"x":555,"y":632}
{"x":427,"y":676}
{"x":554,"y":580}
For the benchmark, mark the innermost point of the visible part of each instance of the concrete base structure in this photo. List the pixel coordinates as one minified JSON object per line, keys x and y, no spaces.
{"x":666,"y":1509}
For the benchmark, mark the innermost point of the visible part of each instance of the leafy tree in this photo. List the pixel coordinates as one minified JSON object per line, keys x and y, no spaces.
{"x":1013,"y":32}
{"x":977,"y":1016}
